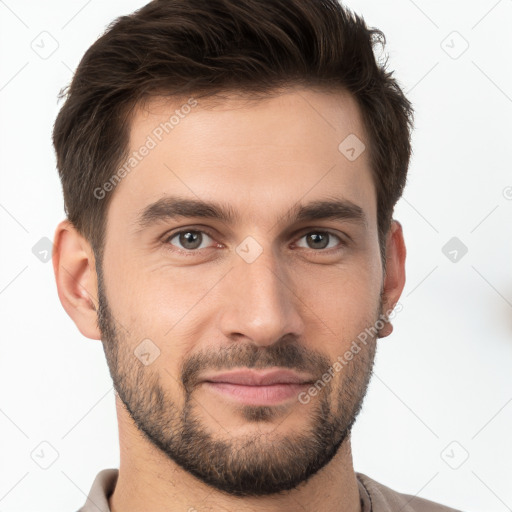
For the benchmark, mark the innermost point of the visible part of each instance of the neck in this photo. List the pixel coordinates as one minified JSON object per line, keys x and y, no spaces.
{"x":149,"y":480}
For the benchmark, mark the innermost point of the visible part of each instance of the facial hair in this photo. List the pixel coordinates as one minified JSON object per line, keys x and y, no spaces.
{"x":250,"y":465}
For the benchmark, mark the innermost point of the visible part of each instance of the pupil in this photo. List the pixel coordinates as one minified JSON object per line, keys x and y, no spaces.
{"x":186,"y":239}
{"x":319,"y":237}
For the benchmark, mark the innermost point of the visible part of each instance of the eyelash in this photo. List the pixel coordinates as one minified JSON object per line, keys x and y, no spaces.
{"x":193,"y":252}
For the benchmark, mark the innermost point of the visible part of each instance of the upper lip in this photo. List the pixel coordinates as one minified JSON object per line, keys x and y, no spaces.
{"x":260,"y":378}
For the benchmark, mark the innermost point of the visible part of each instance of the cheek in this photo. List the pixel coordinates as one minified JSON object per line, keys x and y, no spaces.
{"x":344,"y":301}
{"x":169,"y":306}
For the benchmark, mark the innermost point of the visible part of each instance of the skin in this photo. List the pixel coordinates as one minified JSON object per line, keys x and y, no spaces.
{"x":215,"y":309}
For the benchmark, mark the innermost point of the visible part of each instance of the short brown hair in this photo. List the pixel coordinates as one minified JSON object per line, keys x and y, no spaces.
{"x":203,"y":48}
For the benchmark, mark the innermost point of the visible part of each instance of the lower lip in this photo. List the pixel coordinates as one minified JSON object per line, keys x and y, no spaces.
{"x":257,"y":395}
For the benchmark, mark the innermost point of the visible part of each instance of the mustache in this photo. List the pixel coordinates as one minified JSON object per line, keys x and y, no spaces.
{"x":284,"y":354}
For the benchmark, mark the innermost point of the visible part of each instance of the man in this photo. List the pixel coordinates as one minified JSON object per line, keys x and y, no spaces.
{"x":230,"y":169}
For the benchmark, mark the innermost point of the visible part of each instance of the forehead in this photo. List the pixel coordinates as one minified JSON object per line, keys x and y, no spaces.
{"x":274,"y":151}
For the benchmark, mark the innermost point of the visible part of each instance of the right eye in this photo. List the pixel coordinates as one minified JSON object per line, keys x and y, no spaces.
{"x":190,"y":240}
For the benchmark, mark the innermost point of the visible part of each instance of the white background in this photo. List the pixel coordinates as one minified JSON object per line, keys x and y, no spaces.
{"x":442,"y":388}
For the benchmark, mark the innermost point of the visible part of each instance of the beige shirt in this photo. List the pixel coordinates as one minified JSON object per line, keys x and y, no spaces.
{"x":375,"y":497}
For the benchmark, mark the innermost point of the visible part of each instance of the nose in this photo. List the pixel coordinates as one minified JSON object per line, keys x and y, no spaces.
{"x":260,"y":302}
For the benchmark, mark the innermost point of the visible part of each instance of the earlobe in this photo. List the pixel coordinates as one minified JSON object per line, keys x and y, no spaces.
{"x":75,"y":275}
{"x":394,"y":281}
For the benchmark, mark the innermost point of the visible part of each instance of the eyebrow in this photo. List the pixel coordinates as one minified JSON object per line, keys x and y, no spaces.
{"x":173,"y":207}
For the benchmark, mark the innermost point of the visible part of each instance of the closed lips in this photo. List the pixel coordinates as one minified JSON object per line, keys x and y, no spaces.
{"x":253,"y":378}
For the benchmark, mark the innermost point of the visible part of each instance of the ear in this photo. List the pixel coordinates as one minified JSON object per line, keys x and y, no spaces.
{"x":394,"y":279}
{"x":75,"y":274}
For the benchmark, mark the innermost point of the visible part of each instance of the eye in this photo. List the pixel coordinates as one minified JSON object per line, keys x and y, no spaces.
{"x":189,"y":239}
{"x":321,"y":240}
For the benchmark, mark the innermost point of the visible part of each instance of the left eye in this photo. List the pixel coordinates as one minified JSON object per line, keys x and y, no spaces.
{"x":320,"y":239}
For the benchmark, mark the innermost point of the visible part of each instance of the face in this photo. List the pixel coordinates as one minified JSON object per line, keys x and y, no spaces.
{"x":279,"y":271}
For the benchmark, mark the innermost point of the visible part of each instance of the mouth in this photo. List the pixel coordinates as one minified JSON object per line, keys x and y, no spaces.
{"x":250,"y":387}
